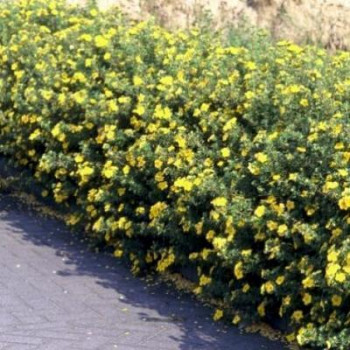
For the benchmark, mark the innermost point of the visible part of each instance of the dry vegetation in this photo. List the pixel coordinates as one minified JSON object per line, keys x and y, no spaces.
{"x":322,"y":21}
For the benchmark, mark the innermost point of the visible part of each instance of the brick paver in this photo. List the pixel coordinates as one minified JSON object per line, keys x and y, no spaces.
{"x":56,"y":294}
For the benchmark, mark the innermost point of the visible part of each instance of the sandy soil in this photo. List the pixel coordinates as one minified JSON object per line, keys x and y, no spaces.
{"x":324,"y":21}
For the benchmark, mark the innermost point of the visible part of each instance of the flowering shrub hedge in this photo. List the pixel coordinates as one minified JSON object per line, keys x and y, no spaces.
{"x":178,"y":150}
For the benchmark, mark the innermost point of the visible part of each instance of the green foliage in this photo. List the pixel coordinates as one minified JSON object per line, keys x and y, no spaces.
{"x":177,"y":151}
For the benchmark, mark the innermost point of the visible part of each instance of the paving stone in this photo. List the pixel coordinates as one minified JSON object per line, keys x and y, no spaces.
{"x":18,"y":346}
{"x":55,"y":294}
{"x":20,"y":339}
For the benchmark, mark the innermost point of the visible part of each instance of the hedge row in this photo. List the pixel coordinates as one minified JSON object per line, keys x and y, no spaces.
{"x":179,"y":150}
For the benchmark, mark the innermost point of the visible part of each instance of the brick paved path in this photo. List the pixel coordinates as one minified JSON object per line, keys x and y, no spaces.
{"x":55,"y":294}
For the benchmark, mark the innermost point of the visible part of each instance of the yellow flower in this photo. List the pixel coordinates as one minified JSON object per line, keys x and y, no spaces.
{"x":121,"y":191}
{"x":101,"y":41}
{"x":250,"y":65}
{"x":85,"y":37}
{"x":336,"y":232}
{"x":183,"y":183}
{"x":73,"y":219}
{"x":282,"y":229}
{"x":269,"y":287}
{"x":236,"y":319}
{"x":80,"y":96}
{"x":162,"y":185}
{"x":293,"y":176}
{"x":293,"y":89}
{"x":79,"y":158}
{"x":246,"y":288}
{"x":162,"y":112}
{"x":286,"y":300}
{"x":310,"y":210}
{"x":308,"y":282}
{"x":204,"y":280}
{"x":280,"y":280}
{"x":35,"y":134}
{"x":112,"y":106}
{"x":230,"y":124}
{"x":210,"y":235}
{"x":61,"y":99}
{"x":336,"y":300}
{"x":57,"y":133}
{"x":197,"y":290}
{"x":126,"y":169}
{"x":297,"y":315}
{"x":272,"y":225}
{"x":330,"y":185}
{"x":249,"y":95}
{"x":339,"y":145}
{"x":261,"y":309}
{"x":290,"y":337}
{"x":109,"y":170}
{"x":307,"y":298}
{"x":56,"y":130}
{"x":98,"y":225}
{"x":344,"y":203}
{"x":225,"y":152}
{"x":157,"y":209}
{"x":107,"y":56}
{"x":332,"y":269}
{"x":343,"y":172}
{"x":304,"y":102}
{"x":165,"y":262}
{"x":253,"y":169}
{"x":205,"y":107}
{"x":199,"y":227}
{"x":137,"y":80}
{"x":290,"y":205}
{"x":260,"y":211}
{"x":140,"y":210}
{"x":332,"y":256}
{"x":246,"y":252}
{"x":118,"y":253}
{"x":86,"y":171}
{"x":238,"y":270}
{"x":261,"y":157}
{"x":340,"y":277}
{"x":218,"y":314}
{"x":219,"y":243}
{"x":79,"y":77}
{"x":159,"y":177}
{"x":158,"y":163}
{"x":167,"y":80}
{"x":47,"y":94}
{"x":180,"y":141}
{"x":219,"y":202}
{"x":139,"y":110}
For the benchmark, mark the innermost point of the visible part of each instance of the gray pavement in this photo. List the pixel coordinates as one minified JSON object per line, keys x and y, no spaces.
{"x":56,"y":294}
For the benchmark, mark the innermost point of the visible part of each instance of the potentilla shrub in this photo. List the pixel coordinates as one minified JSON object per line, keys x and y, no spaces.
{"x":177,"y":149}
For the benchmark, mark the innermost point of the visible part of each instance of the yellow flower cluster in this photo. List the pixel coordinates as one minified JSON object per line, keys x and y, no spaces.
{"x":178,"y":150}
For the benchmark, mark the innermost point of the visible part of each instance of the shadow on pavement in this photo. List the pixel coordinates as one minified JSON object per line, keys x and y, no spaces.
{"x":190,"y":324}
